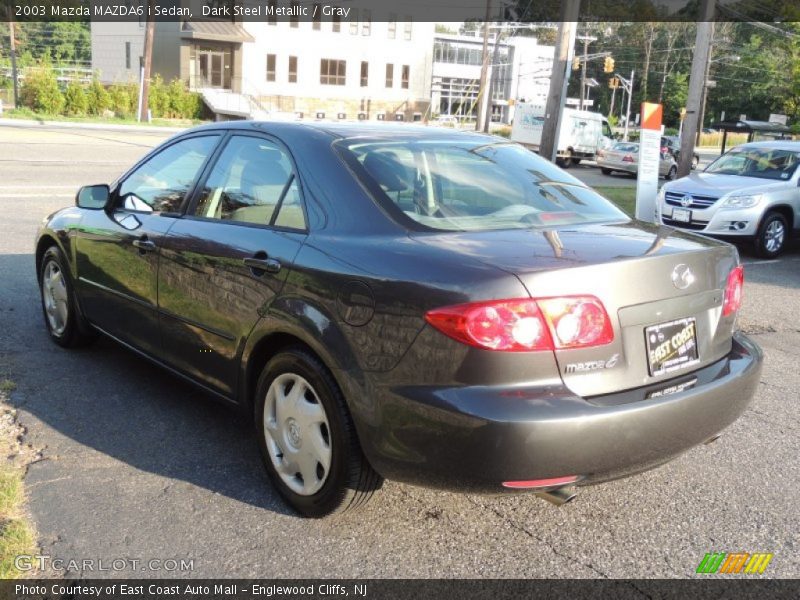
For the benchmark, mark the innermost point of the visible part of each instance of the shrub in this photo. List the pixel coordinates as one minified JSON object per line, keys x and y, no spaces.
{"x":40,"y":90}
{"x":159,"y":98}
{"x":97,"y":97}
{"x":75,"y":101}
{"x":124,"y":99}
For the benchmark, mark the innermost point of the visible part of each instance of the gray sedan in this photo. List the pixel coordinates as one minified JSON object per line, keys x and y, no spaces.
{"x":624,"y":156}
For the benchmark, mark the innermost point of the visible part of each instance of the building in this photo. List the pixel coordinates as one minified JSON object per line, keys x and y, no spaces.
{"x":520,"y":70}
{"x":370,"y":65}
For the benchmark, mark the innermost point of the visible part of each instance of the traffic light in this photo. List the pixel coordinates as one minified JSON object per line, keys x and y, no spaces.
{"x":613,"y":83}
{"x":608,"y":65}
{"x":576,"y":63}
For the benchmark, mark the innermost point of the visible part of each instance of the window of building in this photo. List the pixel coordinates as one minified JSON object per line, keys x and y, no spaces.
{"x":332,"y":72}
{"x":407,"y":28}
{"x":389,"y":75}
{"x":316,"y":15}
{"x":364,"y":73}
{"x":404,"y":77}
{"x":366,"y":22}
{"x":293,"y":18}
{"x":354,"y":22}
{"x":270,"y":67}
{"x":127,"y":55}
{"x":272,"y":18}
{"x":292,"y":69}
{"x":336,"y":21}
{"x":392,"y":26}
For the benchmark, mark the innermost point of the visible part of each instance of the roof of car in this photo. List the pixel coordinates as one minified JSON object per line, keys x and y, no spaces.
{"x":349,"y":129}
{"x":773,"y":145}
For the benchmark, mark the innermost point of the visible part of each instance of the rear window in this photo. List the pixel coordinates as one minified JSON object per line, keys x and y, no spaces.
{"x":455,"y":186}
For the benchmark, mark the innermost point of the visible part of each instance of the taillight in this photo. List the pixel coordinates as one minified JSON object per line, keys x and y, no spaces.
{"x":627,"y":158}
{"x":525,"y":325}
{"x":733,"y":291}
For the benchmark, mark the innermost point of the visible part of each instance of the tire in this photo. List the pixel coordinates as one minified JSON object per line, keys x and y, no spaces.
{"x":65,"y":325}
{"x":772,"y":235}
{"x":695,"y":162}
{"x":310,"y":431}
{"x":605,"y":171}
{"x":673,"y":170}
{"x":566,"y":162}
{"x":576,"y":161}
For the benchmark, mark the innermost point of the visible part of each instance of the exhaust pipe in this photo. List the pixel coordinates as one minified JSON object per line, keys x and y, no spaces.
{"x":712,"y":439}
{"x":560,"y":496}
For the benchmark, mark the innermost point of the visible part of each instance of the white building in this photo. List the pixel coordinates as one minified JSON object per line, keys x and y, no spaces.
{"x":520,"y":70}
{"x":372,"y":65}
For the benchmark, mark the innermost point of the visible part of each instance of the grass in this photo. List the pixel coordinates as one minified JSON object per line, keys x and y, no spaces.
{"x":623,"y":197}
{"x":17,"y":534}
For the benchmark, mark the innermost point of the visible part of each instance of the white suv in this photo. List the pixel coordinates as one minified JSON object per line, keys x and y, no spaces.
{"x":751,"y":192}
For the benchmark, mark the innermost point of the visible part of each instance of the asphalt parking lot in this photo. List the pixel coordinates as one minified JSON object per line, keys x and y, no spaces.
{"x":139,"y":465}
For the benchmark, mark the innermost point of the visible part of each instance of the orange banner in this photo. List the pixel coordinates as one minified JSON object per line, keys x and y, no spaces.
{"x":651,"y":116}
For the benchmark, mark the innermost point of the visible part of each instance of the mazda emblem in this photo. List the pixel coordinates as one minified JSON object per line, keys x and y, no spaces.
{"x":682,"y":277}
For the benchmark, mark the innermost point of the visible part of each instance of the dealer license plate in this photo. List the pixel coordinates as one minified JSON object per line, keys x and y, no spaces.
{"x":671,"y":346}
{"x":684,"y":215}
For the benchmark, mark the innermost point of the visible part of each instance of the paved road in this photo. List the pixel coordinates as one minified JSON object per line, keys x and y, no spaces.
{"x":138,"y":465}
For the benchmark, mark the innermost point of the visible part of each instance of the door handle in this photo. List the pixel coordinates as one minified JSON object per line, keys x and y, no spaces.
{"x":259,"y":266}
{"x":144,"y":245}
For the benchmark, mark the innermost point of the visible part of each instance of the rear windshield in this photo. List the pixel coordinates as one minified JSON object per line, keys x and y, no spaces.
{"x":764,"y":163}
{"x":451,"y":185}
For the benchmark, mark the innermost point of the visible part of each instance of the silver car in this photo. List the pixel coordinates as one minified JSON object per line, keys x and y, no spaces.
{"x":624,"y":156}
{"x":749,"y":193}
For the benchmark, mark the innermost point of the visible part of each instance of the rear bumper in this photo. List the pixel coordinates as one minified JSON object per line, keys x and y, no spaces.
{"x":474,"y":438}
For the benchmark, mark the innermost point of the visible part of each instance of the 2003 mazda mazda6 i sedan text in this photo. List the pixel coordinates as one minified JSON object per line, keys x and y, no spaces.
{"x":444,"y":309}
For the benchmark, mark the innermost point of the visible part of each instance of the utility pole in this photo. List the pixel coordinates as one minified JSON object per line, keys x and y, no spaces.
{"x":705,"y":87}
{"x":12,"y":38}
{"x":628,"y":108}
{"x":548,"y":145}
{"x":484,"y":67}
{"x":586,"y":39}
{"x":490,"y":85}
{"x":613,"y":93}
{"x":697,"y":81}
{"x":149,"y":33}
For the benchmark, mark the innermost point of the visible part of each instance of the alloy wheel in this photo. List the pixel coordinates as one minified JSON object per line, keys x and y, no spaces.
{"x":774,"y":236}
{"x":55,"y":297}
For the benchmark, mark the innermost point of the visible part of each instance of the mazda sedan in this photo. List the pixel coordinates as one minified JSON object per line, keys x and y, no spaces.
{"x":444,"y":309}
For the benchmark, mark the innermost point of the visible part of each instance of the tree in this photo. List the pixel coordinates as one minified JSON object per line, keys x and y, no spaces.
{"x":40,"y":90}
{"x":676,"y":93}
{"x":98,"y":99}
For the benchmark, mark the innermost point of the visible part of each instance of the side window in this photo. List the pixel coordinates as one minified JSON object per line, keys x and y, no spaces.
{"x":252,"y":182}
{"x":161,"y":183}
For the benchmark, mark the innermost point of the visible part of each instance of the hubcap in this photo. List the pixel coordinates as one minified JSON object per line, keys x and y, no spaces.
{"x":773,"y":237}
{"x":297,"y":434}
{"x":54,"y":295}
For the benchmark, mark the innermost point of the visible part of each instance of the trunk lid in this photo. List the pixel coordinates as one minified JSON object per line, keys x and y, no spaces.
{"x":630,"y":268}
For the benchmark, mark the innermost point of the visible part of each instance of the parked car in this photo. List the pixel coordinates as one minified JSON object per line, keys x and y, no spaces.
{"x":749,"y":193}
{"x":446,"y":121}
{"x":672,"y":143}
{"x":440,"y":308}
{"x":624,"y":157}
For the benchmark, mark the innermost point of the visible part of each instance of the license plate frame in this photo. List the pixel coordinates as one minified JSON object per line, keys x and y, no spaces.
{"x":671,"y":346}
{"x":682,"y":215}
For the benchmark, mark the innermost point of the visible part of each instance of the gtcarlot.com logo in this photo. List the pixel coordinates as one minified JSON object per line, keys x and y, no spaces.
{"x":734,"y":563}
{"x":43,"y":562}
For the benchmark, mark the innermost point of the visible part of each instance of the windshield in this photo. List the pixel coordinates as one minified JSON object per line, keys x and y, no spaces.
{"x":456,"y":186}
{"x":764,"y":163}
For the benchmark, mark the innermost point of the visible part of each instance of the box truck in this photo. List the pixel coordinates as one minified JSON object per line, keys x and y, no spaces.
{"x":582,"y":133}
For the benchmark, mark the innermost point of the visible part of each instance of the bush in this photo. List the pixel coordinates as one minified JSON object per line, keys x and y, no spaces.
{"x":40,"y":90}
{"x":76,"y":103}
{"x":159,"y":99}
{"x":97,"y":98}
{"x":124,"y":99}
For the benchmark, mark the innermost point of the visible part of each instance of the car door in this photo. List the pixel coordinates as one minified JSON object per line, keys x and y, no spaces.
{"x":227,"y":259}
{"x":117,"y":250}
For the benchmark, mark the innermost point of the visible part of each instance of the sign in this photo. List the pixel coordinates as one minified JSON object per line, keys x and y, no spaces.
{"x":781,"y":119}
{"x":649,"y":162}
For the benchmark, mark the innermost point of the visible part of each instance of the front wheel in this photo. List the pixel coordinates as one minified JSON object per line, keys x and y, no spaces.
{"x":61,"y":316}
{"x":307,"y":438}
{"x":771,"y":236}
{"x":673,"y":170}
{"x":605,"y":171}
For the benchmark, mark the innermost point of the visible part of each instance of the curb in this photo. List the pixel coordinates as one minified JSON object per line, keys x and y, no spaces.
{"x":28,"y":123}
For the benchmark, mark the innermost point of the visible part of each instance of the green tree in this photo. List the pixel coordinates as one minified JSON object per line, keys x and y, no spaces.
{"x":676,"y":93}
{"x":159,"y":99}
{"x":98,"y":99}
{"x":75,"y":100}
{"x":40,"y":91}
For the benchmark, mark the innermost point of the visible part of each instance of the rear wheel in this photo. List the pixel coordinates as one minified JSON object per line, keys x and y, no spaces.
{"x":61,"y":316}
{"x":566,"y":162}
{"x":771,"y":236}
{"x":605,"y":171}
{"x":695,"y":162}
{"x":671,"y":173}
{"x":307,"y":438}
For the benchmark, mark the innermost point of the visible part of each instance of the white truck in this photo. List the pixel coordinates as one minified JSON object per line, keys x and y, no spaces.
{"x":582,"y":133}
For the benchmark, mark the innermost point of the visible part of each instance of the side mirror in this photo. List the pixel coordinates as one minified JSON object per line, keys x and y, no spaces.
{"x":93,"y":197}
